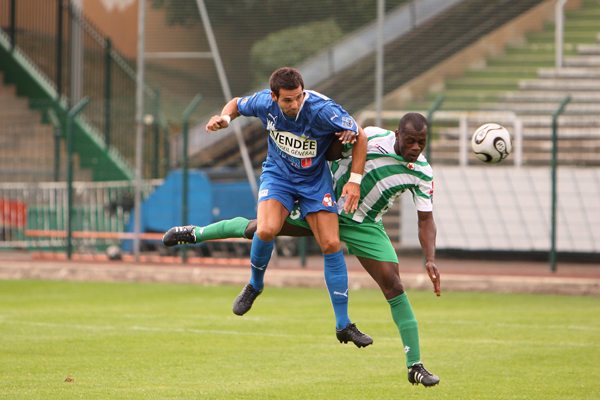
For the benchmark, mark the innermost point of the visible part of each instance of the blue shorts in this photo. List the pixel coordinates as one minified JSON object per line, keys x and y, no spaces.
{"x":313,"y":193}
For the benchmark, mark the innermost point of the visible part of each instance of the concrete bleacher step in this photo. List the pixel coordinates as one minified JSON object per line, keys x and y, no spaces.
{"x":14,"y":112}
{"x":569,"y":73}
{"x":590,"y":12}
{"x":589,"y":49}
{"x":484,"y":83}
{"x":577,"y":24}
{"x":539,"y":60}
{"x":503,"y":72}
{"x":544,"y":108}
{"x":582,"y":61}
{"x":575,"y":121}
{"x":540,"y":49}
{"x":470,"y":94}
{"x":7,"y":91}
{"x":532,"y":96}
{"x":561,"y":84}
{"x":572,"y":37}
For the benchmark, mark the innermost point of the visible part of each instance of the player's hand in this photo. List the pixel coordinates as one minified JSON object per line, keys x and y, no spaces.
{"x":216,"y":122}
{"x":351,"y":190}
{"x":434,"y":275}
{"x":347,"y":137}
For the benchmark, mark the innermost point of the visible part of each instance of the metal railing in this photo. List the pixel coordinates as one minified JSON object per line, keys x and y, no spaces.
{"x":35,"y":215}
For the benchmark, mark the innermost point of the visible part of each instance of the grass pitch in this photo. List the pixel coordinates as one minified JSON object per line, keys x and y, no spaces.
{"x":161,"y":341}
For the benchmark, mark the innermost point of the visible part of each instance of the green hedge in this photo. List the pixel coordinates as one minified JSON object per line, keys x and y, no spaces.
{"x":289,"y":47}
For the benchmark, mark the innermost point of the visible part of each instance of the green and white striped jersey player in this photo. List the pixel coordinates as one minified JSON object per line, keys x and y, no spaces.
{"x":394,"y":165}
{"x":386,"y":176}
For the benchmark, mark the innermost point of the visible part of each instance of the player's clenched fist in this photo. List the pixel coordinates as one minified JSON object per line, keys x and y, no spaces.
{"x":218,"y":122}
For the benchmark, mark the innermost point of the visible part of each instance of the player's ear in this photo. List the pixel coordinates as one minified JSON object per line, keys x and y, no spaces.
{"x":273,"y":97}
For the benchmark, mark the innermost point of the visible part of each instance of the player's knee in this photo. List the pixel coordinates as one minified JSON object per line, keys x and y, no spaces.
{"x":329,"y":246}
{"x":266,"y":234}
{"x":392,"y":288}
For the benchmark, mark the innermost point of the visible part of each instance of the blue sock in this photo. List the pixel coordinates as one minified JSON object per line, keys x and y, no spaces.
{"x":260,"y":254}
{"x":336,"y":278}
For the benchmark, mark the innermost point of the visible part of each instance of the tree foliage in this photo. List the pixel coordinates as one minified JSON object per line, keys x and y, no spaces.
{"x":265,"y":16}
{"x":289,"y":47}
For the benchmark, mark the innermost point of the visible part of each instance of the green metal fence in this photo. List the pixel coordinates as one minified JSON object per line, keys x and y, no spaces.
{"x":77,"y":60}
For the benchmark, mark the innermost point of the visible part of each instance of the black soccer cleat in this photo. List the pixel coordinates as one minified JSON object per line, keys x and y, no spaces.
{"x":418,"y":374}
{"x":243,"y":303}
{"x":351,"y":334}
{"x":180,"y":235}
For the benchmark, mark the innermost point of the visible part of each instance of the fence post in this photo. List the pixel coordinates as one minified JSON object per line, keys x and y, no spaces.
{"x":70,"y":116}
{"x":184,"y":168}
{"x":156,"y":126}
{"x":433,"y":109}
{"x":167,"y":149}
{"x":554,"y":151}
{"x":559,"y":17}
{"x":12,"y":28}
{"x":107,"y":92}
{"x":59,"y":49}
{"x":57,"y":136}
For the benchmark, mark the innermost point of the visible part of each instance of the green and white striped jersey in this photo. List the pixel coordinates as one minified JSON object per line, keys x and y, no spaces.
{"x":386,"y":177}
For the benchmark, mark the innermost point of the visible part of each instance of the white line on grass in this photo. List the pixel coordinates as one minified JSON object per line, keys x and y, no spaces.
{"x":295,"y":336}
{"x":518,"y":326}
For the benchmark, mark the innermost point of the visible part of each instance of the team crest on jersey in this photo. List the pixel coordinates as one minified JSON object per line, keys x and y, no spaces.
{"x":327,"y":200}
{"x":347,"y":122}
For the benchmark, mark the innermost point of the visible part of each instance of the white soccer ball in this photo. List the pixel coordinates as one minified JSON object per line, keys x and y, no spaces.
{"x":491,"y":143}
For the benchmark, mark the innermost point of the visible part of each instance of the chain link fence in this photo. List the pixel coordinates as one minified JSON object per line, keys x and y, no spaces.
{"x":494,"y":59}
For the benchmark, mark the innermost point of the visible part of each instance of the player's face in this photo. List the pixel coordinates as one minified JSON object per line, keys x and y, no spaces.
{"x":289,"y":100}
{"x":410,"y":143}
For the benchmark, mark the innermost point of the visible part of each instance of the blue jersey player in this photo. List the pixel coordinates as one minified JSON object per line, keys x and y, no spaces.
{"x":301,"y":125}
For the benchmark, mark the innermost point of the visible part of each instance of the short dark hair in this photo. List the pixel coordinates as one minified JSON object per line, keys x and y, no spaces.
{"x":285,"y":78}
{"x":417,"y":121}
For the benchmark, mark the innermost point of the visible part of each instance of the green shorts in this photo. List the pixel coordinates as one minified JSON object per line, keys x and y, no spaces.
{"x":367,"y":240}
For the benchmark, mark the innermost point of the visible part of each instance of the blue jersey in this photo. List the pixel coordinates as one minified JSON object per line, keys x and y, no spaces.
{"x":297,"y":145}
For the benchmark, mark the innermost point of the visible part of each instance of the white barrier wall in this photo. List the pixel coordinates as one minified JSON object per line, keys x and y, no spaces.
{"x":493,"y":207}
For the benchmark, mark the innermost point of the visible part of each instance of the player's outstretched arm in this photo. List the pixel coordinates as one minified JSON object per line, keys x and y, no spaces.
{"x":229,"y":113}
{"x":427,"y":234}
{"x":351,"y":190}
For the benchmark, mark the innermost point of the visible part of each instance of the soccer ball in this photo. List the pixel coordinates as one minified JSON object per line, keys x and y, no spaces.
{"x":491,"y":143}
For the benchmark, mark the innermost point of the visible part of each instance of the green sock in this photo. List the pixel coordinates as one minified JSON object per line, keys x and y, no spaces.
{"x":229,"y":228}
{"x":404,"y":317}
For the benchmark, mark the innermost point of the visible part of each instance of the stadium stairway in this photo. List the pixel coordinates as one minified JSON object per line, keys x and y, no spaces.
{"x":524,"y":81}
{"x":35,"y":91}
{"x":27,"y":145}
